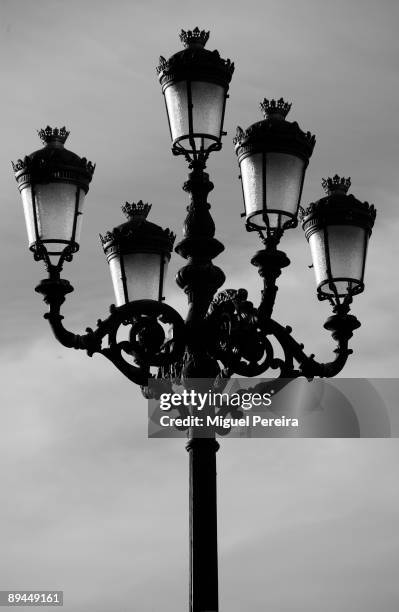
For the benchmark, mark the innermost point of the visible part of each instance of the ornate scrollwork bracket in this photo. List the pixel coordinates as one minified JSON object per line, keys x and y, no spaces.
{"x":155,"y":333}
{"x":244,"y":340}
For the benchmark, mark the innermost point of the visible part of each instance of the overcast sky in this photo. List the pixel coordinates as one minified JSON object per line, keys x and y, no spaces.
{"x":89,"y":504}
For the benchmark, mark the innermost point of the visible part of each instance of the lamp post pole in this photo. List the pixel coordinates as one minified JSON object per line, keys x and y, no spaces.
{"x":223,"y":333}
{"x":203,"y":525}
{"x":200,"y":280}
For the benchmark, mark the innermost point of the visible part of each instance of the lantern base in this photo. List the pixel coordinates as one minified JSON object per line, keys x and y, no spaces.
{"x":342,"y":326}
{"x":54,"y":290}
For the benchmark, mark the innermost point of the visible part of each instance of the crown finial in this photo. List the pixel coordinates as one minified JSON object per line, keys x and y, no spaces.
{"x":273,"y":109}
{"x":336,"y":184}
{"x":194,"y":38}
{"x":136,"y":210}
{"x":48,"y":135}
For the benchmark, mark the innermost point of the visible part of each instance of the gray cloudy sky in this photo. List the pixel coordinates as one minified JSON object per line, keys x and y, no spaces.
{"x":89,"y":504}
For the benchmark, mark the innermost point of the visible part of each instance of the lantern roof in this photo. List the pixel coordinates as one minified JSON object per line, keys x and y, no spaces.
{"x":53,"y":162}
{"x":137,"y":234}
{"x":195,"y":62}
{"x":274,"y":133}
{"x":337,"y":208}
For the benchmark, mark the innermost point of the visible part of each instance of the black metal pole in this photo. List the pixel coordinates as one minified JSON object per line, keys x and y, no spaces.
{"x":200,"y":279}
{"x":203,"y":525}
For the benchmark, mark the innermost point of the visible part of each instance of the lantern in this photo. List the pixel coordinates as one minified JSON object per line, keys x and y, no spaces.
{"x":53,"y":183}
{"x":195,"y":82}
{"x":273,"y":155}
{"x":338,"y":228}
{"x":138,"y":253}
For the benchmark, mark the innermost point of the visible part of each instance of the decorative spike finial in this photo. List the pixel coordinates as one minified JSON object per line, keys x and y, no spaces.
{"x":53,"y":135}
{"x":273,"y":109}
{"x":336,"y":184}
{"x":194,"y":37}
{"x":138,"y":209}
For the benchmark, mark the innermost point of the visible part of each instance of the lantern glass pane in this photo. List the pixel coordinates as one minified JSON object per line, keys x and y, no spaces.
{"x":252,"y":181}
{"x":56,"y":203}
{"x":318,"y":252}
{"x":26,"y":196}
{"x":347,"y":252}
{"x":208,"y":102}
{"x":346,"y":248}
{"x":177,"y":107}
{"x":284,"y":175}
{"x":272,"y":182}
{"x":275,"y":220}
{"x":116,"y":276}
{"x":142,"y":271}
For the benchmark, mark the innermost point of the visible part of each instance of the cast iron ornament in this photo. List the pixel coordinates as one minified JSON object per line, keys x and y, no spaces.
{"x":224,"y":334}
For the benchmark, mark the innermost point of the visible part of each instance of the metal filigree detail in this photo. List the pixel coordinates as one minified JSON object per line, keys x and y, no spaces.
{"x":167,"y":65}
{"x":162,"y":64}
{"x":53,"y":163}
{"x":197,"y":56}
{"x":49,"y":134}
{"x":125,"y":232}
{"x":21,"y":164}
{"x":107,"y":237}
{"x":275,"y":109}
{"x":346,"y":210}
{"x":88,"y":165}
{"x":261,"y":130}
{"x":223,"y":335}
{"x":138,"y":209}
{"x":240,"y":135}
{"x":239,"y":341}
{"x":196,"y":37}
{"x":236,"y":296}
{"x":155,"y":339}
{"x":336,"y":184}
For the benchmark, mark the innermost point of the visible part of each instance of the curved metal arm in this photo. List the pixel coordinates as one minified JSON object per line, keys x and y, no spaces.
{"x":147,"y":344}
{"x":54,"y":291}
{"x":222,"y":335}
{"x":241,"y":339}
{"x":342,"y":327}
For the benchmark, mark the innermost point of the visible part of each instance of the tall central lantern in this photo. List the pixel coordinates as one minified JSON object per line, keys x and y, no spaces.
{"x":195,"y":82}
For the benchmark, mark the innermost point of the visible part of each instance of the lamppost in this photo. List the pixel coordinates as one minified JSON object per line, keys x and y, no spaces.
{"x":223,"y":333}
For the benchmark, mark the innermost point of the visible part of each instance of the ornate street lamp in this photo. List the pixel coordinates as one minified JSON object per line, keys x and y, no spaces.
{"x":195,"y":82}
{"x":53,"y":183}
{"x":223,"y":333}
{"x":138,"y":253}
{"x":273,"y":155}
{"x":338,"y":228}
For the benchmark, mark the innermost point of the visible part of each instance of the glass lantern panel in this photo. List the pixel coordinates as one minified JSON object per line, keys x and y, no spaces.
{"x":275,"y":220}
{"x":176,"y":104}
{"x":342,"y":287}
{"x":55,"y":204}
{"x":202,"y":143}
{"x":26,"y":196}
{"x":318,"y":252}
{"x":347,"y":251}
{"x":252,"y":183}
{"x":116,"y":276}
{"x":284,"y":175}
{"x":208,"y":102}
{"x":142,"y":271}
